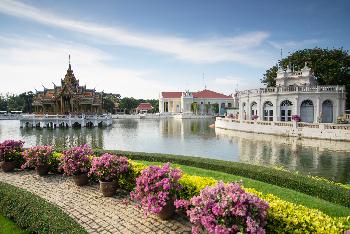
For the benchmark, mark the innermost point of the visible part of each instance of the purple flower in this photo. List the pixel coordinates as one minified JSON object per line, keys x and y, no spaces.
{"x":226,"y":209}
{"x":10,"y":150}
{"x":109,"y":167}
{"x":155,"y":187}
{"x":76,"y":160}
{"x":37,"y":156}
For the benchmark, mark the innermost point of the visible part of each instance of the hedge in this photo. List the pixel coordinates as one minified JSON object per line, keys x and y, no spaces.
{"x":34,"y":214}
{"x":319,"y":188}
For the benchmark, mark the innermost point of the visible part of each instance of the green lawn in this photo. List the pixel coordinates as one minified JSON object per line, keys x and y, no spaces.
{"x":9,"y":227}
{"x":284,"y":193}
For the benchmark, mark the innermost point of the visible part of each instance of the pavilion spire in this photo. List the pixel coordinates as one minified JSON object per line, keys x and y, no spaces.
{"x":69,"y":62}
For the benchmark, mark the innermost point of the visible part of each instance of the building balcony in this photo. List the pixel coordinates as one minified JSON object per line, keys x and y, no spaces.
{"x":294,"y":89}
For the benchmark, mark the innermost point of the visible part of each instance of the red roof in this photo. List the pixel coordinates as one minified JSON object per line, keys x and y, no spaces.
{"x":209,"y":94}
{"x":145,"y":106}
{"x":201,"y":94}
{"x":171,"y":94}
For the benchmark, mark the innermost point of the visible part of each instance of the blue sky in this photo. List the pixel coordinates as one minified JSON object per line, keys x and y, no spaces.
{"x":140,"y":48}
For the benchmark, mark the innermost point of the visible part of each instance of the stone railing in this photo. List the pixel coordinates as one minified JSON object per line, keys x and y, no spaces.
{"x":295,"y":89}
{"x":290,"y":124}
{"x":325,"y":131}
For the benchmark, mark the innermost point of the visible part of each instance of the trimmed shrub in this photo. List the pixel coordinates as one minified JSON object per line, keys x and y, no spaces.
{"x":314,"y":187}
{"x":283,"y":216}
{"x":33,"y":213}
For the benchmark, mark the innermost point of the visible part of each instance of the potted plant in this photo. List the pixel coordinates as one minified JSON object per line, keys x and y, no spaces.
{"x":38,"y":157}
{"x":155,"y":190}
{"x":107,"y":169}
{"x":255,"y":117}
{"x":10,"y":154}
{"x":76,"y":162}
{"x":296,"y":118}
{"x":225,"y":209}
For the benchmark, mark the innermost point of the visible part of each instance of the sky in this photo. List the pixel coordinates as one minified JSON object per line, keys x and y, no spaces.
{"x":141,"y":48}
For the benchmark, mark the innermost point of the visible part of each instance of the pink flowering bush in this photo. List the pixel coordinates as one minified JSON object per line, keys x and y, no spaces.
{"x":10,"y":150}
{"x":155,"y":187}
{"x":254,"y":117}
{"x":76,"y":160}
{"x":225,"y":209}
{"x":108,"y":167}
{"x":37,"y":156}
{"x":296,"y":118}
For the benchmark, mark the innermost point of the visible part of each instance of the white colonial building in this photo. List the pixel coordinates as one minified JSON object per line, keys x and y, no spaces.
{"x":296,"y":93}
{"x":181,"y":102}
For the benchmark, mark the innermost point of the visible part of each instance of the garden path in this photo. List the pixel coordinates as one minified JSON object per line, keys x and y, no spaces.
{"x":97,"y":214}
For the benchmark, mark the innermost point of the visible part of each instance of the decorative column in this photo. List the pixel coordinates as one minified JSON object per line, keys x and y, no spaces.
{"x":276,"y":110}
{"x":319,"y":110}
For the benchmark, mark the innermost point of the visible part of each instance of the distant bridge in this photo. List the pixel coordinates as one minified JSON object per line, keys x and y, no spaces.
{"x":65,"y":121}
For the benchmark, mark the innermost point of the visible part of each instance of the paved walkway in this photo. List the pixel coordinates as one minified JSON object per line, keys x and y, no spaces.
{"x":86,"y":205}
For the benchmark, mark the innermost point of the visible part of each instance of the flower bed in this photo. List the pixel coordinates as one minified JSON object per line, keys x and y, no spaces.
{"x":282,"y":216}
{"x":331,"y":192}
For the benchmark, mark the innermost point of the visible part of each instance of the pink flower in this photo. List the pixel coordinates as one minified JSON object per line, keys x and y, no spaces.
{"x":109,"y":167}
{"x":155,"y":187}
{"x":226,"y":209}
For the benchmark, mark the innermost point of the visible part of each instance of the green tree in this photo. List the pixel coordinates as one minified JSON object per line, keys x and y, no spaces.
{"x":3,"y":103}
{"x":195,"y":107}
{"x":207,"y":108}
{"x":109,"y":102}
{"x":128,"y":103}
{"x":331,"y":67}
{"x":215,"y":108}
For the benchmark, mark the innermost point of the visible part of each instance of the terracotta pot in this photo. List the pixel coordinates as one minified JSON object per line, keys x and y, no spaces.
{"x":108,"y":189}
{"x":81,"y":179}
{"x":168,"y":210}
{"x":42,"y":170}
{"x":8,"y":166}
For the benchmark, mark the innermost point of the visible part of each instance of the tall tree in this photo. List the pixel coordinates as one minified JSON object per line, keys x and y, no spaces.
{"x":331,"y":67}
{"x":3,"y":103}
{"x":128,"y":103}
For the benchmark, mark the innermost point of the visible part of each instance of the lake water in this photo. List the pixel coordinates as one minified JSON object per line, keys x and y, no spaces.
{"x":328,"y":159}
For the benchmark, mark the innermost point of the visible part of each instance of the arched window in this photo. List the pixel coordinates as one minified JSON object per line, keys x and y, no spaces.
{"x":327,"y":111}
{"x":286,"y":110}
{"x":268,"y":111}
{"x":254,"y":109}
{"x":307,"y":111}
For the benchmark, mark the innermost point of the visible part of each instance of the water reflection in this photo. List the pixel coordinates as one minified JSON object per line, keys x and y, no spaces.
{"x":329,"y":159}
{"x":64,"y":137}
{"x":194,"y":137}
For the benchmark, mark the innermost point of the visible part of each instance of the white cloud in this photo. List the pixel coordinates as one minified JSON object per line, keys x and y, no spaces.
{"x":239,"y":48}
{"x":291,"y":45}
{"x":29,"y":63}
{"x":232,"y":83}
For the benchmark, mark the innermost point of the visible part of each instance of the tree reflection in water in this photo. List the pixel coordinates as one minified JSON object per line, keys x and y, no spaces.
{"x":329,"y":159}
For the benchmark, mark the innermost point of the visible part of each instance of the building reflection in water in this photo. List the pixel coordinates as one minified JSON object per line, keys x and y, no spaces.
{"x":65,"y":138}
{"x":187,"y":128}
{"x":330,"y":159}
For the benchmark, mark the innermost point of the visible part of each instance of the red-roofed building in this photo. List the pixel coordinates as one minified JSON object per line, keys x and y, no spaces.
{"x":201,"y":102}
{"x":144,"y":107}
